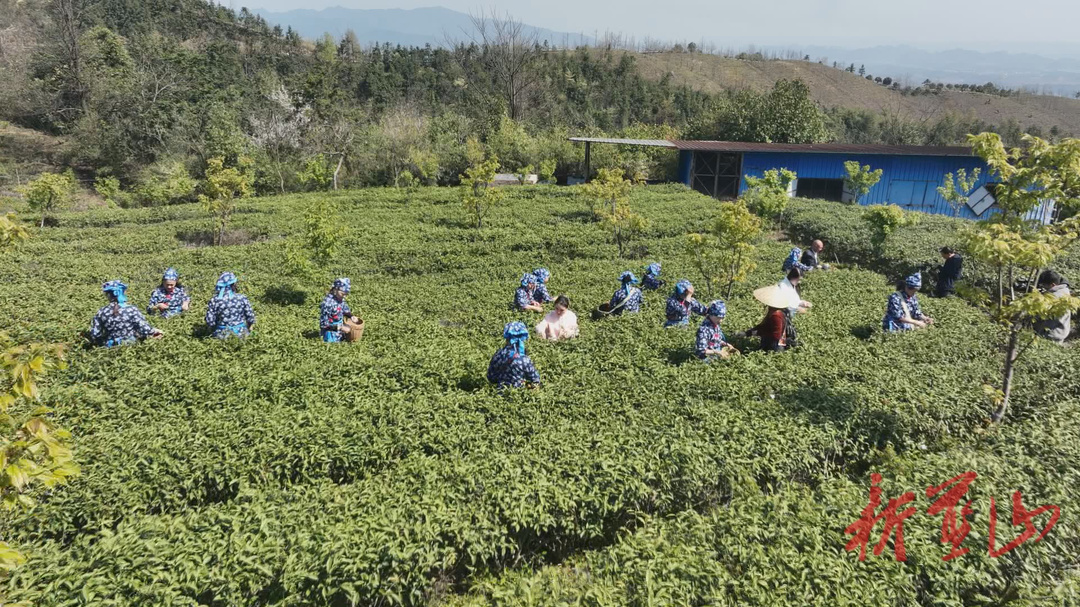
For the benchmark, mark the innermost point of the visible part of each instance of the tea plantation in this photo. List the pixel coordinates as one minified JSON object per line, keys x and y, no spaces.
{"x":285,"y":471}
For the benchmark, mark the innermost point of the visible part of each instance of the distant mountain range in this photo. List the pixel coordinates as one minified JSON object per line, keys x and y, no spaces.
{"x":414,"y":27}
{"x":417,"y":27}
{"x":1060,"y":75}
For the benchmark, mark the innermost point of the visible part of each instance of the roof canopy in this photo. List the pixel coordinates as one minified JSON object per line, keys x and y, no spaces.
{"x":657,"y":143}
{"x":823,"y":148}
{"x":801,"y":148}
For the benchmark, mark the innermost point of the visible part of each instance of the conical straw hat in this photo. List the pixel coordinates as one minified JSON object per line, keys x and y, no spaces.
{"x":775,"y":297}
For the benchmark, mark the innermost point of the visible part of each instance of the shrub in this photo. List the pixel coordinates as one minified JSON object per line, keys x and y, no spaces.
{"x":49,"y":192}
{"x":859,"y":179}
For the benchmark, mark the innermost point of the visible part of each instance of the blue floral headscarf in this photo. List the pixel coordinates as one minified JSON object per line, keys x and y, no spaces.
{"x":682,"y":287}
{"x":516,"y":333}
{"x":653,"y":269}
{"x":717,"y":308}
{"x":542,"y":275}
{"x":914,"y":281}
{"x":171,"y":274}
{"x":117,"y":289}
{"x":225,"y":284}
{"x":528,"y":279}
{"x":628,"y":278}
{"x":792,"y":258}
{"x":344,"y":284}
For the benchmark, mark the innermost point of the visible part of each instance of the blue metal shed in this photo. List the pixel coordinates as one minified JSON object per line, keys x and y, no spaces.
{"x":910,"y":178}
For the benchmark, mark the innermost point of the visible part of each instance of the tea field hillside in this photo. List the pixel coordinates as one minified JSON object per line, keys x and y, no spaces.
{"x":285,"y":471}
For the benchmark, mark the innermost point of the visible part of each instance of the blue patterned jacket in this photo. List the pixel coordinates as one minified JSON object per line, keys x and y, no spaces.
{"x":678,"y":311}
{"x":632,"y":295}
{"x":229,"y":316}
{"x":509,"y":369}
{"x":895,"y":311}
{"x":175,"y":301}
{"x":709,"y":337}
{"x":108,"y":329}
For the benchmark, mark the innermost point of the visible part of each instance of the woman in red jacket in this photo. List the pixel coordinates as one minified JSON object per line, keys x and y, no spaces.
{"x":773,"y":328}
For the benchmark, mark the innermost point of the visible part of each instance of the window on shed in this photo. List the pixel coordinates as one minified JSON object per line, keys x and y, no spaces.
{"x":821,"y":189}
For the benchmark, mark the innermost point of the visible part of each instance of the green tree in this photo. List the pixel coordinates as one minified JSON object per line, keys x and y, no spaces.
{"x":522,"y":173}
{"x":610,"y":196}
{"x":317,"y":173}
{"x":547,"y":171}
{"x":34,"y":453}
{"x":957,"y":190}
{"x":724,"y":255}
{"x":49,"y":193}
{"x":860,"y":179}
{"x":884,"y":220}
{"x":1017,"y":248}
{"x":477,"y":194}
{"x":767,"y":196}
{"x":320,"y":241}
{"x":223,"y":188}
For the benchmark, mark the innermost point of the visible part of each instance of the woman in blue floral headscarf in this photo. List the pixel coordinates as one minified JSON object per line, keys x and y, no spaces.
{"x":170,"y":298}
{"x":903,"y":312}
{"x":651,"y":281}
{"x":333,"y":312}
{"x":794,"y":261}
{"x":710,"y":338}
{"x":511,"y":367}
{"x":119,"y":322}
{"x":229,"y":314}
{"x":681,"y":304}
{"x":628,"y":297}
{"x":541,"y":294}
{"x":525,"y":296}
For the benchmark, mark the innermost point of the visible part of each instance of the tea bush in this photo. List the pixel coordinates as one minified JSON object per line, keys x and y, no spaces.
{"x":285,"y":471}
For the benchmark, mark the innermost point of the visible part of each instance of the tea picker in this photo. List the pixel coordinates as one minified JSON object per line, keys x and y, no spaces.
{"x":169,"y":298}
{"x":651,"y":281}
{"x":794,"y":261}
{"x":626,"y":298}
{"x":710,"y":338}
{"x":541,"y":295}
{"x":902,"y":312}
{"x":119,"y":322}
{"x":525,"y":297}
{"x":681,"y":304}
{"x":336,"y":320}
{"x":229,"y":314}
{"x":511,"y":367}
{"x":775,"y":330}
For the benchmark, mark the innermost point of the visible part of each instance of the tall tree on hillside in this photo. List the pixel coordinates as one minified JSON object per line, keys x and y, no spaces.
{"x":510,"y":50}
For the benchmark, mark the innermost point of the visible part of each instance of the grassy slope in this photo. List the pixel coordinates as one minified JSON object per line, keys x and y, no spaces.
{"x":299,"y":473}
{"x":837,"y":88}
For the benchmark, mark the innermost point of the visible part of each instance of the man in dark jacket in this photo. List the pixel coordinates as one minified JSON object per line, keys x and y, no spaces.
{"x":810,"y":256}
{"x":949,"y":272}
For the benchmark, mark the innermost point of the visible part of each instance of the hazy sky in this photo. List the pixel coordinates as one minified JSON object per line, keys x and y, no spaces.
{"x":930,"y":23}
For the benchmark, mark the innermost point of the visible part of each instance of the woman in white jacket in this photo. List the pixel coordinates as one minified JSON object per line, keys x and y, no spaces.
{"x":559,"y":323}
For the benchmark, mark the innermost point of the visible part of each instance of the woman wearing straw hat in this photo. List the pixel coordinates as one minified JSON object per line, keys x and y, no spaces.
{"x":627,"y":298}
{"x":333,"y":312}
{"x":681,"y":304}
{"x":511,"y":367}
{"x":119,"y":322}
{"x":773,"y":328}
{"x":170,"y":298}
{"x":710,"y":338}
{"x":903,"y":312}
{"x":229,"y":314}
